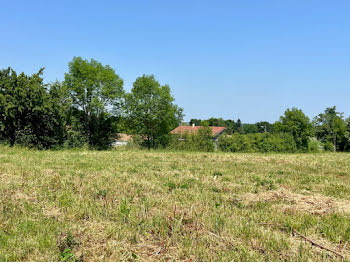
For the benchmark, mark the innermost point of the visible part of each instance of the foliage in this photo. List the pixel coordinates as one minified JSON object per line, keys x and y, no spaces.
{"x":151,"y":111}
{"x":297,"y":124}
{"x":61,"y":104}
{"x":30,"y":114}
{"x":75,"y":135}
{"x":201,"y":141}
{"x":214,"y":122}
{"x":232,"y":126}
{"x":331,"y":127}
{"x":90,"y":107}
{"x":347,"y":134}
{"x":328,"y":146}
{"x":250,"y":128}
{"x":239,"y":126}
{"x":265,"y":126}
{"x":196,"y":122}
{"x":314,"y":145}
{"x":260,"y":142}
{"x":95,"y":90}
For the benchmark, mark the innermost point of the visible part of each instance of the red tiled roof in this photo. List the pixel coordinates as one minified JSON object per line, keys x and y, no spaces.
{"x":215,"y":130}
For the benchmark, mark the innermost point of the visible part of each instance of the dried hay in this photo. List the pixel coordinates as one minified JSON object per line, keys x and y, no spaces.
{"x":313,"y":204}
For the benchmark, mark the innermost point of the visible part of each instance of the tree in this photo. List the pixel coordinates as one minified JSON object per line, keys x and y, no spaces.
{"x":196,"y":122}
{"x":61,"y":106}
{"x":250,"y":128}
{"x":347,"y":134}
{"x":264,"y":127}
{"x":331,"y":127}
{"x":230,"y":126}
{"x":151,"y":110}
{"x":8,"y":110}
{"x":95,"y":90}
{"x":29,"y":114}
{"x":216,"y":122}
{"x":296,"y":123}
{"x":239,"y":127}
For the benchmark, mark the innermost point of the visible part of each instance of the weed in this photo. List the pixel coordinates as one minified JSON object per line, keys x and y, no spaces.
{"x":65,"y":245}
{"x":171,"y":186}
{"x":124,"y":210}
{"x":101,"y":194}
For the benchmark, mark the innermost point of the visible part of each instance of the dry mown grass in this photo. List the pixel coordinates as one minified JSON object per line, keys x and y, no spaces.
{"x":167,"y":206}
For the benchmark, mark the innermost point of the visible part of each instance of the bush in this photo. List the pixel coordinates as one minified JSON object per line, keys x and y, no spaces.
{"x":314,"y":145}
{"x":26,"y":137}
{"x":75,"y":138}
{"x":260,"y":142}
{"x":201,"y":141}
{"x":328,"y":146}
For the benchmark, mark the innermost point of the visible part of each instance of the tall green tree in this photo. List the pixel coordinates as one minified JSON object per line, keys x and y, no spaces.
{"x":151,"y":110}
{"x":331,"y":127}
{"x":296,"y":123}
{"x":29,"y":114}
{"x":216,"y":122}
{"x":230,"y":126}
{"x":61,"y":106}
{"x":96,"y":90}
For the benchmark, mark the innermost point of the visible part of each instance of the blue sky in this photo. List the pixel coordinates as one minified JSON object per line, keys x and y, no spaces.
{"x":230,"y":59}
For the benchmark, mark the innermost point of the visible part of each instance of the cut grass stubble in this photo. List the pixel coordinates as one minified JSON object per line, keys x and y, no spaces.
{"x":146,"y":206}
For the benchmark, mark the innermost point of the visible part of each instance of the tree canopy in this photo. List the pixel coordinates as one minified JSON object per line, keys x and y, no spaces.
{"x":330,"y":127}
{"x":29,"y":114}
{"x":95,"y":90}
{"x":297,"y":124}
{"x":151,"y":110}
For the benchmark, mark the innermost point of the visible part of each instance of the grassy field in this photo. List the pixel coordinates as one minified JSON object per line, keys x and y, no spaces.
{"x":153,"y":205}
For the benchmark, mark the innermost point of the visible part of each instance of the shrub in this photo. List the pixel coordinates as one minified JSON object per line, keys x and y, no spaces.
{"x":75,"y":139}
{"x":328,"y":146}
{"x":201,"y":141}
{"x":27,"y":138}
{"x":314,"y":145}
{"x":260,"y":142}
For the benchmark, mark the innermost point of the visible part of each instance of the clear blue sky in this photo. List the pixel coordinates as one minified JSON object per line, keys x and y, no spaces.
{"x":230,"y":59}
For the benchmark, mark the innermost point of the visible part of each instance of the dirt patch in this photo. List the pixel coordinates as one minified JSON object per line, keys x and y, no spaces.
{"x":52,"y":212}
{"x":289,"y":201}
{"x":19,"y":196}
{"x":94,"y":242}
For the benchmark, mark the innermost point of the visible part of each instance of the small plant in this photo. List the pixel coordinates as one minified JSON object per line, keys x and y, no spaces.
{"x":215,"y":189}
{"x":185,"y":186}
{"x":101,"y":194}
{"x":235,"y":201}
{"x":267,"y":183}
{"x":65,"y":246}
{"x":171,"y":185}
{"x":124,"y":210}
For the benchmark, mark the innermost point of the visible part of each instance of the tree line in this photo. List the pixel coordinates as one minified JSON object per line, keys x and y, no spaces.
{"x":329,"y":130}
{"x":90,"y":106}
{"x":233,"y":126}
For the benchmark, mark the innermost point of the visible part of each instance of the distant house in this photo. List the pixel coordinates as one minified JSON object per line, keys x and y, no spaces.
{"x":216,"y":131}
{"x":122,"y":140}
